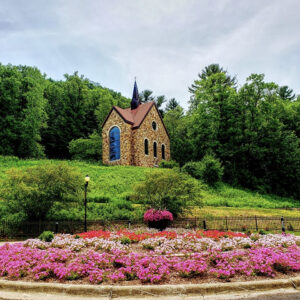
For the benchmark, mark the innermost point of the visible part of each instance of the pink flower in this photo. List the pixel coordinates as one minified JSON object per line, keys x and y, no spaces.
{"x":157,"y":215}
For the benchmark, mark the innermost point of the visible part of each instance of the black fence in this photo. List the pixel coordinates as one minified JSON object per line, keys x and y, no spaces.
{"x":33,"y":229}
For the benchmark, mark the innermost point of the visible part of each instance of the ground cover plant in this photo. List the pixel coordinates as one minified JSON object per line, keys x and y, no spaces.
{"x":149,"y":256}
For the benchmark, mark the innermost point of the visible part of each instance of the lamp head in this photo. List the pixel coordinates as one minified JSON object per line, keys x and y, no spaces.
{"x":87,"y":179}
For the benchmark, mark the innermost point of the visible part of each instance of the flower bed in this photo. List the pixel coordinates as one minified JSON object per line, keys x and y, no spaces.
{"x":151,"y":257}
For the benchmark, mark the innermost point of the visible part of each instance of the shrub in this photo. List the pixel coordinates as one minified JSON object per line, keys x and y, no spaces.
{"x":157,"y":215}
{"x":89,"y":149}
{"x":209,"y":170}
{"x":168,"y":190}
{"x":168,"y":164}
{"x":46,"y":236}
{"x":192,"y":168}
{"x":34,"y":190}
{"x":262,"y":232}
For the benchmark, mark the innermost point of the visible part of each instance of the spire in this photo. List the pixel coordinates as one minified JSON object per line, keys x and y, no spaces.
{"x":135,"y":102}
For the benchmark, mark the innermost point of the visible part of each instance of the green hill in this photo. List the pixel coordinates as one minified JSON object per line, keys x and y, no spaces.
{"x":116,"y":182}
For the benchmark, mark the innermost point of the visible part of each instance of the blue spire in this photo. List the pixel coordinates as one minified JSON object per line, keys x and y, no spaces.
{"x":135,"y":102}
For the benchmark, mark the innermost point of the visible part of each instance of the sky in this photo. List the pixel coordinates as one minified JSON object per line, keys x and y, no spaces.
{"x":164,"y":43}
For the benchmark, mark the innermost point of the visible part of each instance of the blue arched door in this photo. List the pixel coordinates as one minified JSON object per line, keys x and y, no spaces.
{"x":114,"y":144}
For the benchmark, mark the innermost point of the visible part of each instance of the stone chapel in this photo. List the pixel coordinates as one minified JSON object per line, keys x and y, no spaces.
{"x":135,"y":136}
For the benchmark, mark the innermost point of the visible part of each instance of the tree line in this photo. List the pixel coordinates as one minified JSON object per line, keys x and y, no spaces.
{"x":253,"y":130}
{"x":39,"y":116}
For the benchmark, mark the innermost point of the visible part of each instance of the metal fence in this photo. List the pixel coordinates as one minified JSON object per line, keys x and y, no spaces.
{"x":33,"y":229}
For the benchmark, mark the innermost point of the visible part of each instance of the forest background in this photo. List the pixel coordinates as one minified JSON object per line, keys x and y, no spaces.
{"x":253,"y":129}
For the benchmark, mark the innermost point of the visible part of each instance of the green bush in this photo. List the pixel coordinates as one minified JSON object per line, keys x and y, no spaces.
{"x":168,"y":164}
{"x":46,"y":236}
{"x":89,"y":149}
{"x":168,"y":190}
{"x":192,"y":168}
{"x":34,"y":190}
{"x":209,"y":170}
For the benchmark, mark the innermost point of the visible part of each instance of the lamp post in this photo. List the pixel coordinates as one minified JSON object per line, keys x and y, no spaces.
{"x":86,"y":179}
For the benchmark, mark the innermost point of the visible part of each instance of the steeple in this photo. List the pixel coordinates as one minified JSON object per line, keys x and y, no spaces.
{"x":135,"y":102}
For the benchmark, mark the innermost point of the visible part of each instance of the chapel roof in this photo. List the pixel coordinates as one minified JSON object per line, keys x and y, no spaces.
{"x":135,"y":116}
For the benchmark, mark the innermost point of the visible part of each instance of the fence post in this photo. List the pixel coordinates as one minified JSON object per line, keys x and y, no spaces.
{"x":282,"y":224}
{"x":256,"y":226}
{"x":56,"y":227}
{"x":129,"y":224}
{"x":226,"y":222}
{"x":204,"y":225}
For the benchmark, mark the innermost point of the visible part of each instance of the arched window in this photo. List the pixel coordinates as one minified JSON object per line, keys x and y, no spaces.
{"x":146,"y":144}
{"x":114,"y":144}
{"x":163,"y":151}
{"x":155,"y":149}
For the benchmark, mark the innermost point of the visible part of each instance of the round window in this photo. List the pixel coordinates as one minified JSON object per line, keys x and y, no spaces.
{"x":154,"y":126}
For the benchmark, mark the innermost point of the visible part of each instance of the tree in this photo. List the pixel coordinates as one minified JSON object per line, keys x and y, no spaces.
{"x":172,"y":104}
{"x":286,"y":93}
{"x":147,"y":95}
{"x":177,"y":125}
{"x":22,"y":114}
{"x":34,"y":190}
{"x":206,"y":73}
{"x":89,"y":149}
{"x":168,"y":189}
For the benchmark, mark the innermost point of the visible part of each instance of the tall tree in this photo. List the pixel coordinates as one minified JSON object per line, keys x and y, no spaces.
{"x":172,"y":104}
{"x":286,"y":93}
{"x":205,"y":73}
{"x":22,"y":113}
{"x":177,"y":126}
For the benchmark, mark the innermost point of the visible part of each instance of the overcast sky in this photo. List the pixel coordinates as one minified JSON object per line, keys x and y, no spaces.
{"x":164,"y":43}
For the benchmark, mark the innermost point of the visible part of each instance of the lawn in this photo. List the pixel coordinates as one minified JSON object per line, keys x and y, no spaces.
{"x":110,"y":183}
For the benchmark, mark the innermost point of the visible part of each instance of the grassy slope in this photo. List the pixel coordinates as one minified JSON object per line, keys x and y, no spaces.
{"x":117,"y":182}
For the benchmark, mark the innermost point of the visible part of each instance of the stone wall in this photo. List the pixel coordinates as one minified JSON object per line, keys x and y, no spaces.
{"x":125,"y":140}
{"x":146,"y":131}
{"x":132,"y":140}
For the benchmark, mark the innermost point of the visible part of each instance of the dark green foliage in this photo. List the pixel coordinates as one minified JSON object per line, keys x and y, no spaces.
{"x":168,"y":164}
{"x":172,"y":104}
{"x":211,"y":171}
{"x":286,"y":94}
{"x":192,"y":168}
{"x":46,"y":236}
{"x":254,"y":132}
{"x":22,"y":113}
{"x":177,"y":125}
{"x":168,"y":189}
{"x":89,"y":149}
{"x":34,"y":190}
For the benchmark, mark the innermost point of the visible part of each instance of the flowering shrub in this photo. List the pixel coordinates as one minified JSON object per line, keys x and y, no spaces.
{"x":157,"y":215}
{"x":153,"y":257}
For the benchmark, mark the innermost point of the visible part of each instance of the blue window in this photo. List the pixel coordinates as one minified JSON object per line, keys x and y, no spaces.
{"x":114,"y":144}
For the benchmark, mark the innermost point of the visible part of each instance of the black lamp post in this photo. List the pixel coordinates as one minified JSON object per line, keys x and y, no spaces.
{"x":87,"y":179}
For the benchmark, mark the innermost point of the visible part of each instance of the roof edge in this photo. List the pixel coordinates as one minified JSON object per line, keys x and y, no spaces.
{"x":115,"y":108}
